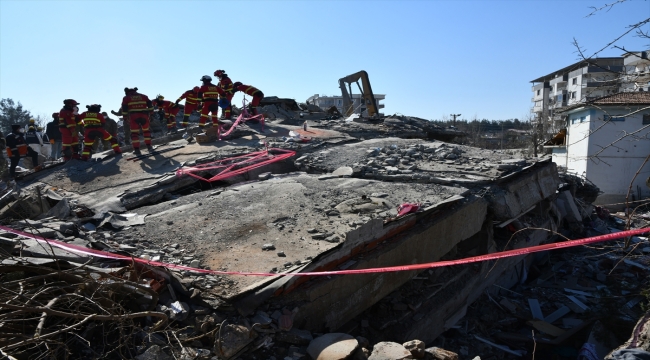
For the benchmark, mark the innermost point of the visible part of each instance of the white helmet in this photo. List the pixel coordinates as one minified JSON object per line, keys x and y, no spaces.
{"x":206,"y":78}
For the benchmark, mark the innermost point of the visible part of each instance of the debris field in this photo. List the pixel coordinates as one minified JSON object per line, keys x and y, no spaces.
{"x":357,"y":194}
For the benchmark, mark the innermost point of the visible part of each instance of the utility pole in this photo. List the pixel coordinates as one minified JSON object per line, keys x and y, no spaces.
{"x":454,"y":116}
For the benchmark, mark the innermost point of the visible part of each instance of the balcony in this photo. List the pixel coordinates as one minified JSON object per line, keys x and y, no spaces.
{"x":606,"y":83}
{"x":606,"y":69}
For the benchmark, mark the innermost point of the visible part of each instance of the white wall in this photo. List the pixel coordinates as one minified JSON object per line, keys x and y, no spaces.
{"x":578,"y":142}
{"x":613,"y":169}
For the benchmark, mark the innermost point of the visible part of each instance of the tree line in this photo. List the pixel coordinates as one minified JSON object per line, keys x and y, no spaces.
{"x":13,"y":113}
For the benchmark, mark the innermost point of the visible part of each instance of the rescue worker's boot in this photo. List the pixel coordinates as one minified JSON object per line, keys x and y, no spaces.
{"x":150,"y":148}
{"x":136,"y":151}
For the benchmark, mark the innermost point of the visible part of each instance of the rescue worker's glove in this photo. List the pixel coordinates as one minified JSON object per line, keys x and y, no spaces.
{"x":176,"y":102}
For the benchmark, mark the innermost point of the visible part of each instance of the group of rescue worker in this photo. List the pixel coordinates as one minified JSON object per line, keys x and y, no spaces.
{"x":136,"y":109}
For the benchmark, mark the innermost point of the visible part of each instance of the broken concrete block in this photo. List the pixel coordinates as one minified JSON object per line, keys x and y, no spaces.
{"x":573,"y":214}
{"x":154,"y":352}
{"x":416,"y":347}
{"x":233,"y":339}
{"x":343,"y":171}
{"x":332,"y":239}
{"x":389,"y":350}
{"x":332,"y":346}
{"x":267,"y":247}
{"x":436,"y":353}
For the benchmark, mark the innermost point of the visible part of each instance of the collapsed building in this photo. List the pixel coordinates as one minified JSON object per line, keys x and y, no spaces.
{"x":335,"y":205}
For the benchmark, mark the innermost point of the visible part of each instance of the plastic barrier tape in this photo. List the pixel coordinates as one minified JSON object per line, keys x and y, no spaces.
{"x":493,"y":256}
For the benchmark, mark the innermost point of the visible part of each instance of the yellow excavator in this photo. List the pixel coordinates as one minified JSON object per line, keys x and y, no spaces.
{"x":367,"y":97}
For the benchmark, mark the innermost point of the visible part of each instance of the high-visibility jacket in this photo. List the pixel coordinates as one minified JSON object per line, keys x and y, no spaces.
{"x":210,"y":92}
{"x":191,"y":98}
{"x":136,"y":102}
{"x":226,"y":85}
{"x":92,"y":119}
{"x":67,"y":119}
{"x":248,"y":90}
{"x":167,"y":106}
{"x":16,"y":145}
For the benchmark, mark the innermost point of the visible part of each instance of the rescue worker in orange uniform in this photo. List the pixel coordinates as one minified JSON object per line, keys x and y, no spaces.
{"x":169,"y":110}
{"x":209,"y":94}
{"x":226,"y":85}
{"x":191,"y":103}
{"x":68,"y":120}
{"x":256,"y":93}
{"x":17,"y":147}
{"x":93,"y":122}
{"x":138,"y":107}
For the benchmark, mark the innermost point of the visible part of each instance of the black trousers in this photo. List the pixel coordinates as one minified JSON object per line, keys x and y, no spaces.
{"x":16,"y":158}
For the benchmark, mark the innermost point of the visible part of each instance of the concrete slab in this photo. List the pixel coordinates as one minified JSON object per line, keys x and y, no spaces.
{"x":230,"y":229}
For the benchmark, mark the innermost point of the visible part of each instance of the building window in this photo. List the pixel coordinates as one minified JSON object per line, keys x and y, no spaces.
{"x":614,"y":118}
{"x":574,"y":81}
{"x":573,"y":94}
{"x":646,"y":119}
{"x":538,"y":92}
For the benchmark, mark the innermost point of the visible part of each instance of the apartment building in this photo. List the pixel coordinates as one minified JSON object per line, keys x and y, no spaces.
{"x":325,"y":102}
{"x":577,"y":83}
{"x":637,"y":71}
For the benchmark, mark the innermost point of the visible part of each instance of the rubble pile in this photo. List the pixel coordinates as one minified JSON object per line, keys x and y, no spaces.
{"x":359,"y":194}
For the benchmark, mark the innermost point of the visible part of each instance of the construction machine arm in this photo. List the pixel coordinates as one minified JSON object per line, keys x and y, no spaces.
{"x":367,"y":96}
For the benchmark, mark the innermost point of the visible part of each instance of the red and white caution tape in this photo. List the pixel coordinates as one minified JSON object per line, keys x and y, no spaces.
{"x":237,"y":165}
{"x":243,"y":117}
{"x":474,"y":259}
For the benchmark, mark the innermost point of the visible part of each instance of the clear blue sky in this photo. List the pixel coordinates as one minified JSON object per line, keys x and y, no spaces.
{"x":430,"y":58}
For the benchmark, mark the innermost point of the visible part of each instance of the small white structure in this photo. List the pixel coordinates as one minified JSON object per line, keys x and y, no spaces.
{"x":607,"y":141}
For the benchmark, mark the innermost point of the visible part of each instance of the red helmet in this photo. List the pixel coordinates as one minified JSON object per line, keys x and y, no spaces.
{"x":196,"y":89}
{"x":55,"y":115}
{"x":219,"y":73}
{"x":70,"y":102}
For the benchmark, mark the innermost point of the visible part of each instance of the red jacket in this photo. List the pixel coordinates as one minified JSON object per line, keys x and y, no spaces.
{"x":191,"y":98}
{"x":226,"y":85}
{"x":166,"y":106}
{"x":67,"y":119}
{"x":210,"y":92}
{"x":248,"y":90}
{"x":136,"y":102}
{"x":92,"y":119}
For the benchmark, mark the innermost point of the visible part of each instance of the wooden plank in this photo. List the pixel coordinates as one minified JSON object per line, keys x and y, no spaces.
{"x":557,"y":314}
{"x":535,"y":309}
{"x":546,"y":328}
